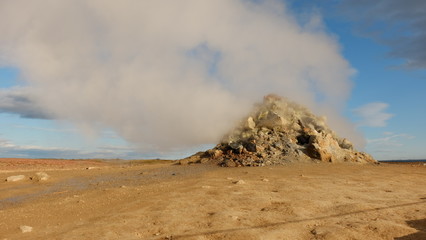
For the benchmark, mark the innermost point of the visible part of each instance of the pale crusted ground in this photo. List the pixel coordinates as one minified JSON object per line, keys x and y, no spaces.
{"x":163,"y":201}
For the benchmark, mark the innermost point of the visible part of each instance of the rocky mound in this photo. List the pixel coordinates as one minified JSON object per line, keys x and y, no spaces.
{"x":280,"y":131}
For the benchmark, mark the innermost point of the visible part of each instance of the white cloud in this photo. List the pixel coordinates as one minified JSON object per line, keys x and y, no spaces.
{"x":391,"y":140}
{"x":373,"y":114}
{"x":390,"y":146}
{"x":47,"y":129}
{"x":10,"y":149}
{"x":166,"y":74}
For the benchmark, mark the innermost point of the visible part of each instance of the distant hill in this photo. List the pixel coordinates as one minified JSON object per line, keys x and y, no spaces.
{"x":404,"y":161}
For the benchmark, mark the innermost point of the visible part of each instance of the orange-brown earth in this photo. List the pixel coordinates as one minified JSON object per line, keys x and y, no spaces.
{"x":24,"y":164}
{"x":135,"y":200}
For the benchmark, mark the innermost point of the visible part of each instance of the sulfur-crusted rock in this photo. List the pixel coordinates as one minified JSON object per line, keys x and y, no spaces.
{"x":279,"y":131}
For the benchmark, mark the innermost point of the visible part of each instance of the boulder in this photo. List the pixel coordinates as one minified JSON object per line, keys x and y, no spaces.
{"x":26,"y":229}
{"x":250,"y":124}
{"x":269,"y":119}
{"x":40,"y":176}
{"x":346,"y":144}
{"x":15,"y":178}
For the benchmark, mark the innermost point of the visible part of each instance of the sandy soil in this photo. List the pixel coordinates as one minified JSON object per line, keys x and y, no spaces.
{"x":104,"y":200}
{"x":25,"y":164}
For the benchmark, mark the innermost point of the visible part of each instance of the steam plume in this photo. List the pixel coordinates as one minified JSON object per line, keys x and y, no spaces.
{"x":170,"y":73}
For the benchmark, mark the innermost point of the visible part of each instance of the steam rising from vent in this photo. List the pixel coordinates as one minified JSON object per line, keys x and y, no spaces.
{"x":167,"y":74}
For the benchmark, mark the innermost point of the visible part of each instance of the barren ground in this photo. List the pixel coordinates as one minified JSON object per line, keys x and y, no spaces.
{"x":131,"y":200}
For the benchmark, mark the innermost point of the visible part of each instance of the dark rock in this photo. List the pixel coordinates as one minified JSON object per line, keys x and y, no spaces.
{"x":303,"y":139}
{"x":250,"y":146}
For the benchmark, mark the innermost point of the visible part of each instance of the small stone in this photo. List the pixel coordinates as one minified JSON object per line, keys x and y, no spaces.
{"x":90,"y":168}
{"x":184,"y":162}
{"x":206,"y":187}
{"x":204,"y":160}
{"x":217,"y":153}
{"x":229,"y":163}
{"x":15,"y":178}
{"x":265,"y":180}
{"x":41,"y":176}
{"x":251,"y":146}
{"x":345,"y":144}
{"x":26,"y":229}
{"x":240,"y":182}
{"x":320,"y":231}
{"x":250,"y":124}
{"x":235,"y":145}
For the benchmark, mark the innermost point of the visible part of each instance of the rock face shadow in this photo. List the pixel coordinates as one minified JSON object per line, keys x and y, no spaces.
{"x":419,"y":225}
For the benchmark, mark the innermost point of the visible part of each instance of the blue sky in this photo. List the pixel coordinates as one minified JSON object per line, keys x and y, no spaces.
{"x":384,"y":79}
{"x":386,"y":102}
